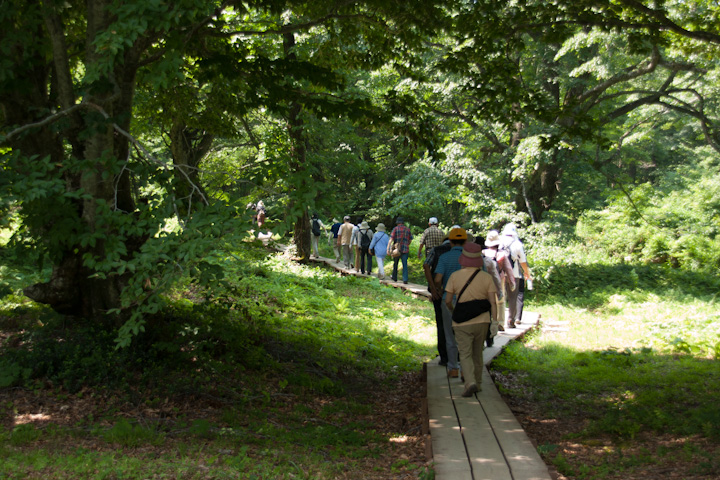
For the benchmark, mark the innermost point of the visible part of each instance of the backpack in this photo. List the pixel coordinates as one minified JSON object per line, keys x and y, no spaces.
{"x":364,"y":240}
{"x":505,"y":249}
{"x":316,"y":228}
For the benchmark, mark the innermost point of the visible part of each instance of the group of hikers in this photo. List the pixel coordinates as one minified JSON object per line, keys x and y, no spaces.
{"x":356,"y":245}
{"x":469,"y":279}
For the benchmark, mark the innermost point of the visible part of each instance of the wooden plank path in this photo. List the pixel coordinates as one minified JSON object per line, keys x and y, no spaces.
{"x":476,"y":438}
{"x":479,"y":438}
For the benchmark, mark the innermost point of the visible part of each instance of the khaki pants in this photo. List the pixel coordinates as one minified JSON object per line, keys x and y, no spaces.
{"x":471,"y":341}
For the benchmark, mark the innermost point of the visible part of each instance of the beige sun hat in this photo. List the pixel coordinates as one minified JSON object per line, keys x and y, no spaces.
{"x":493,"y":239}
{"x":380,"y":227}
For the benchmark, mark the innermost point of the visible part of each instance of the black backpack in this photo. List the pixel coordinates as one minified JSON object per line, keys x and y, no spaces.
{"x":316,"y":228}
{"x":364,"y":240}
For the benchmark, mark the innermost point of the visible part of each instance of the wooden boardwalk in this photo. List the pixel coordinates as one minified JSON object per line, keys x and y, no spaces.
{"x":479,"y":438}
{"x":476,"y":438}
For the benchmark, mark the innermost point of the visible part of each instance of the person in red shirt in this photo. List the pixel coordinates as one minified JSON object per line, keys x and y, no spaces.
{"x":400,"y":237}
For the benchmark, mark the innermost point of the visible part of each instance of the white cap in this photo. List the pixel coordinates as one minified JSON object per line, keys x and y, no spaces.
{"x":433,"y":221}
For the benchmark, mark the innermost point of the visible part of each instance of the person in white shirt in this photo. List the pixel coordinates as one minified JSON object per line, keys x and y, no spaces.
{"x":521,"y":271}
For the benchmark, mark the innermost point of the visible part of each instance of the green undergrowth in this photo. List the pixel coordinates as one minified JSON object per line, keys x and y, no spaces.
{"x":290,"y":357}
{"x":625,"y":352}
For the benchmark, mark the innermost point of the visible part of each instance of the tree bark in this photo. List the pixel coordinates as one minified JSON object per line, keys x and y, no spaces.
{"x":73,"y":288}
{"x":298,"y":152}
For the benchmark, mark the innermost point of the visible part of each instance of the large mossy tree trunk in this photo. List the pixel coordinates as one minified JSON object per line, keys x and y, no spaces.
{"x":95,"y":182}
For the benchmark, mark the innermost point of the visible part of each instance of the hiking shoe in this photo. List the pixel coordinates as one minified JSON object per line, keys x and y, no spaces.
{"x":511,"y":325}
{"x":470,"y":391}
{"x":501,"y":328}
{"x":453,"y":373}
{"x":442,"y":363}
{"x":490,"y":342}
{"x":404,"y":282}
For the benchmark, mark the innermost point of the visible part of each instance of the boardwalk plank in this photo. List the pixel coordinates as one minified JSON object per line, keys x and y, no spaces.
{"x":484,"y":453}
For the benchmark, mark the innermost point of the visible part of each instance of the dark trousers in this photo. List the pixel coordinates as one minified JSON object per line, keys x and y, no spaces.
{"x":515,"y":301}
{"x":365,"y":254}
{"x":441,"y":346}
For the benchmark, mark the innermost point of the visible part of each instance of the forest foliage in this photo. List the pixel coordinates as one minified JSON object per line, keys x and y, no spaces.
{"x":134,"y":134}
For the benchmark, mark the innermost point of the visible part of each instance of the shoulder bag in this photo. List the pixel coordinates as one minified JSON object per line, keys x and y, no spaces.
{"x":465,"y":311}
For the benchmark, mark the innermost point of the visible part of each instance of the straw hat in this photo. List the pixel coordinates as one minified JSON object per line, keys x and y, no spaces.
{"x":493,"y":239}
{"x":471,"y":255}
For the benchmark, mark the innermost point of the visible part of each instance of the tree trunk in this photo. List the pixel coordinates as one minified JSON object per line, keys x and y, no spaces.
{"x":90,"y":168}
{"x":298,"y":152}
{"x":537,"y":193}
{"x":188,"y":147}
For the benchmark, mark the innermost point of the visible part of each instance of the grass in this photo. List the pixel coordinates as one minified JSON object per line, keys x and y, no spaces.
{"x":629,"y":384}
{"x":284,"y":374}
{"x":290,"y":372}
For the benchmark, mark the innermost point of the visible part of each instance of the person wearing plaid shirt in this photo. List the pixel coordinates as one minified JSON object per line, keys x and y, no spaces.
{"x":401,"y":237}
{"x":431,"y":237}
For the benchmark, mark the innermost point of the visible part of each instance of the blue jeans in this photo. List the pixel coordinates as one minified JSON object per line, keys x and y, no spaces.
{"x":450,"y":344}
{"x":404,"y":258}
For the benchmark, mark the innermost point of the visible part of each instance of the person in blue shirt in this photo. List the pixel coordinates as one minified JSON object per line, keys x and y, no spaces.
{"x":448,"y":264}
{"x":379,"y":247}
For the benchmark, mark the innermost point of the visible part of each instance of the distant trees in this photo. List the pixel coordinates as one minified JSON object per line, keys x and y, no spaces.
{"x":559,"y":76}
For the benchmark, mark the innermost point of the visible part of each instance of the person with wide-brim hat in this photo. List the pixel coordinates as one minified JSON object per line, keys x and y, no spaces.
{"x":365,"y":236}
{"x":378,"y":247}
{"x":471,"y":283}
{"x":504,"y":268}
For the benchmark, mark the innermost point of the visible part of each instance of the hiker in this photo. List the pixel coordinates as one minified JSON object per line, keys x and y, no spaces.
{"x":504,"y":268}
{"x":429,"y":267}
{"x":401,"y":238}
{"x":343,"y":241}
{"x":333,"y":238}
{"x":316,"y":227}
{"x":355,"y":245}
{"x":431,"y":237}
{"x":365,"y":236}
{"x":465,"y":285}
{"x":516,"y":252}
{"x":378,"y":247}
{"x":261,"y":214}
{"x":448,"y":263}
